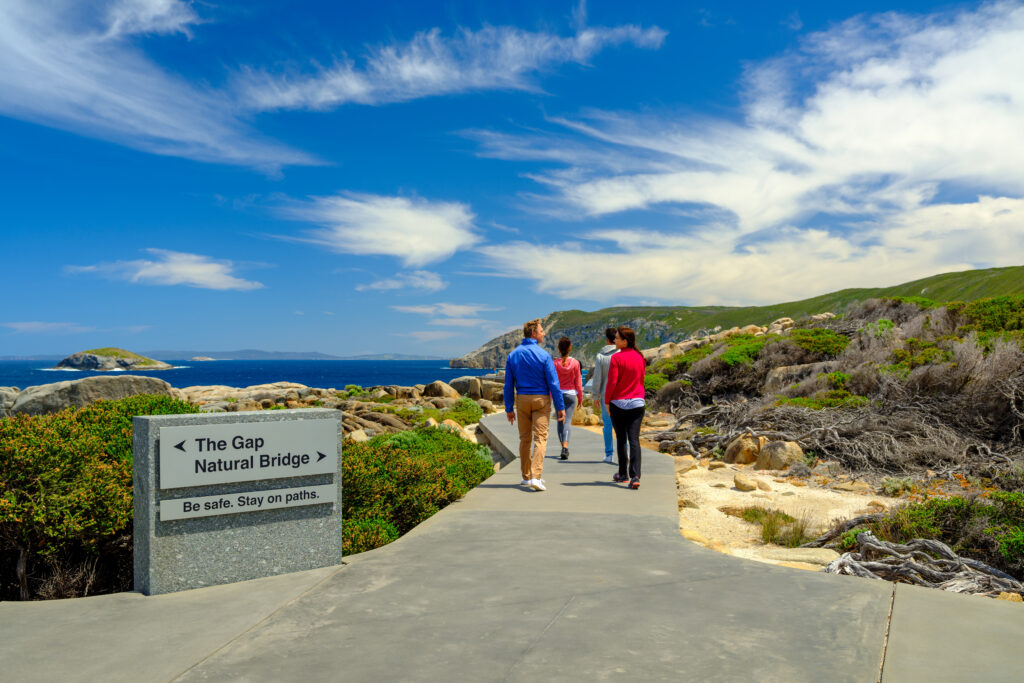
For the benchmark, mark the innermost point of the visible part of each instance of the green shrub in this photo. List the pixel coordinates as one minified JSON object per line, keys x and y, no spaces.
{"x":402,"y":479}
{"x":836,"y":380}
{"x":654,"y":381}
{"x":919,"y":301}
{"x":465,"y":411}
{"x":994,"y":314}
{"x":893,"y":486}
{"x":66,"y":478}
{"x":742,"y":349}
{"x":823,"y":400}
{"x":821,"y":341}
{"x":882,"y":327}
{"x":361,"y":535}
{"x":915,"y":353}
{"x":682,"y":362}
{"x":990,"y":530}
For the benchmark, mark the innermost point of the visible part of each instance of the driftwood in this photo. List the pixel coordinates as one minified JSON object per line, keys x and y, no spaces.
{"x":923,"y":562}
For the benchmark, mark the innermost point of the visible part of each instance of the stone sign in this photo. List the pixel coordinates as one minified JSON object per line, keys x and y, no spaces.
{"x":228,"y":497}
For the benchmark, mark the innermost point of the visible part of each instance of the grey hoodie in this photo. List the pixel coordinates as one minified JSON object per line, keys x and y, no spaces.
{"x":601,"y":365}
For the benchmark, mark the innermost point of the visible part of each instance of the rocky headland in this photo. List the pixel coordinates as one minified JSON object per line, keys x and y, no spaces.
{"x":110,"y":359}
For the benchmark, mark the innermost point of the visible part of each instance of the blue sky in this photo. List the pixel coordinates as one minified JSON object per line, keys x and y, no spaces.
{"x":383,"y":177}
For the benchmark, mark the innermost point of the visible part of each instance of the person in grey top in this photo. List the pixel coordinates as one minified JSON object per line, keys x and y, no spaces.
{"x":600,"y":379}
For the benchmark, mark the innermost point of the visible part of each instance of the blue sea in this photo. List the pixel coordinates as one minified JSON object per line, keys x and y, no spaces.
{"x":324,"y":374}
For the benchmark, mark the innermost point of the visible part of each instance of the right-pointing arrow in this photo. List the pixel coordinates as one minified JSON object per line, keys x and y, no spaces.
{"x":180,"y":446}
{"x":322,"y":456}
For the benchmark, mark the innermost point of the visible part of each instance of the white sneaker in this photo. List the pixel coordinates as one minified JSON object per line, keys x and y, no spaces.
{"x":524,"y":482}
{"x":608,"y":460}
{"x":537,"y":485}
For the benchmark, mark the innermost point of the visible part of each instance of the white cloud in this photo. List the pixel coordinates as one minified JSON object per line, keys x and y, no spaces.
{"x":172,"y":268}
{"x":885,"y":148}
{"x":430,"y":335}
{"x":492,"y":58}
{"x":76,"y":67}
{"x":37,"y":327}
{"x":795,"y":264}
{"x":448,"y":310}
{"x":417,"y":279}
{"x":415,"y":230}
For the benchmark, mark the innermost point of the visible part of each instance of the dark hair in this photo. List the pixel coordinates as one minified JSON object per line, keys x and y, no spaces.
{"x":609,"y":334}
{"x":629,"y":335}
{"x":564,"y":346}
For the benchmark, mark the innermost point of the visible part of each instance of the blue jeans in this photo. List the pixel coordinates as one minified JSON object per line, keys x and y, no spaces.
{"x":606,"y":420}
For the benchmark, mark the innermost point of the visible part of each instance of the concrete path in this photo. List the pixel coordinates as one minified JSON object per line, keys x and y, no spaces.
{"x":587,"y":581}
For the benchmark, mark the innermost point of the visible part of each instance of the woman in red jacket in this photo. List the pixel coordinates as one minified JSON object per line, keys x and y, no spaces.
{"x":624,"y":396}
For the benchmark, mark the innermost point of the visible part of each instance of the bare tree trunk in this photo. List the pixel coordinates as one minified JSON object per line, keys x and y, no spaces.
{"x":21,"y":570}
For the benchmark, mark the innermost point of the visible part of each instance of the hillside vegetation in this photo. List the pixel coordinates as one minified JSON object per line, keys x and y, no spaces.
{"x":656,"y":325}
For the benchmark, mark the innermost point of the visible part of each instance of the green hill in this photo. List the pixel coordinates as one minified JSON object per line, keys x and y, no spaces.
{"x":658,"y":324}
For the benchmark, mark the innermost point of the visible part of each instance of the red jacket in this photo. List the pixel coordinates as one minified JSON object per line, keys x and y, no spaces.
{"x":570,"y":377}
{"x":625,"y":376}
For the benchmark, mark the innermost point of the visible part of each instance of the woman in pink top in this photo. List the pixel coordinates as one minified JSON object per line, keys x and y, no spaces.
{"x":570,"y":381}
{"x":624,"y":396}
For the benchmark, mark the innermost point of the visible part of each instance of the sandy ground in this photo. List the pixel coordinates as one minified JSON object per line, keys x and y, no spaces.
{"x":703,"y":491}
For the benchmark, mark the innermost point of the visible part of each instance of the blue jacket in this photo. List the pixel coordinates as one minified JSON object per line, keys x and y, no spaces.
{"x":530,"y":370}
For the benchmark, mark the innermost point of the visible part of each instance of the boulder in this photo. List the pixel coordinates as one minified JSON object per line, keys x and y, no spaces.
{"x":50,"y":398}
{"x":7,"y":397}
{"x":716,"y":465}
{"x":685,"y":463}
{"x":439,"y":389}
{"x":743,"y":482}
{"x":358,"y":436}
{"x":780,"y":325}
{"x":442,"y":403}
{"x":743,"y":450}
{"x":778,"y":455}
{"x":407,"y":392}
{"x":818,"y":317}
{"x":752,"y":329}
{"x":454,"y":426}
{"x":467,"y":386}
{"x":492,"y":390}
{"x":430,"y":422}
{"x":486,"y":406}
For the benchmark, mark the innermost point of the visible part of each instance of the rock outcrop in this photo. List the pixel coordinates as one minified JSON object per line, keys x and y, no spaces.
{"x":111,"y":359}
{"x":51,"y":398}
{"x":7,"y":397}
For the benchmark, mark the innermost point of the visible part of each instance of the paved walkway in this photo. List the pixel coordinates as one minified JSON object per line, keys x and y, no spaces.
{"x":587,"y":581}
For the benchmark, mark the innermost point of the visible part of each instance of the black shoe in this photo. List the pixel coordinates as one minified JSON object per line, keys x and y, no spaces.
{"x":620,"y":477}
{"x":565,"y":454}
{"x":634,"y":483}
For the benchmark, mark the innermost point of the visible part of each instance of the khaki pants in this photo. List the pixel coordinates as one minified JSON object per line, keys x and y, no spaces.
{"x":533,"y":412}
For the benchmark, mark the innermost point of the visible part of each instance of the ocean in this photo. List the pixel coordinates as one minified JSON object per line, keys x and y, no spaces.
{"x":326,"y":374}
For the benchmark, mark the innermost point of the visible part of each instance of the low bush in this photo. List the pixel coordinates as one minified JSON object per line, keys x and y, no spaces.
{"x":836,"y":398}
{"x":987,"y":529}
{"x":654,"y":381}
{"x":66,"y":494}
{"x":396,"y":481}
{"x":821,"y":341}
{"x":465,"y":411}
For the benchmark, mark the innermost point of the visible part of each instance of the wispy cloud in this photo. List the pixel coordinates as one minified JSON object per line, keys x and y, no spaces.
{"x":492,"y":58}
{"x":37,"y":327}
{"x":429,"y":335}
{"x":172,"y":268}
{"x":453,"y":315}
{"x":417,"y":279}
{"x":879,"y":146}
{"x":77,"y":67}
{"x":417,"y":231}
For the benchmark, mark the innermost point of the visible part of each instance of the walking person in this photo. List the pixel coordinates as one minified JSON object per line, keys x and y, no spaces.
{"x":570,"y":380}
{"x":531,"y":384}
{"x":600,"y":380}
{"x":624,"y":396}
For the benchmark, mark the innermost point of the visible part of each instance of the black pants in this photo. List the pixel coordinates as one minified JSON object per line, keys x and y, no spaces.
{"x":626,"y":424}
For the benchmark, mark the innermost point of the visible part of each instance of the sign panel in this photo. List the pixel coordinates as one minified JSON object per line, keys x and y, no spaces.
{"x":200,"y":455}
{"x":249,"y":501}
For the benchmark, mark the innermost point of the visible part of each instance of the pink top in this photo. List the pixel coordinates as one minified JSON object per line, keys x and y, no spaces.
{"x":625,"y":376}
{"x":569,"y":376}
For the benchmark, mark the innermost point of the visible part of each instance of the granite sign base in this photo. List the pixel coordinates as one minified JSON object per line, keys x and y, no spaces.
{"x":234,"y":531}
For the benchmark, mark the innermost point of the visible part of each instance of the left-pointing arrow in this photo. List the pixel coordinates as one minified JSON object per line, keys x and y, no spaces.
{"x":180,"y":446}
{"x":322,"y":456}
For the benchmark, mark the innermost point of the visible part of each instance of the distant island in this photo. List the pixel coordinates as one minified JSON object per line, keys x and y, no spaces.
{"x":110,"y":359}
{"x":258,"y":354}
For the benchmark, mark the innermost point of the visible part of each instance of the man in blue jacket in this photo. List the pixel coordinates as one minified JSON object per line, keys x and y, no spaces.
{"x":530,"y":384}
